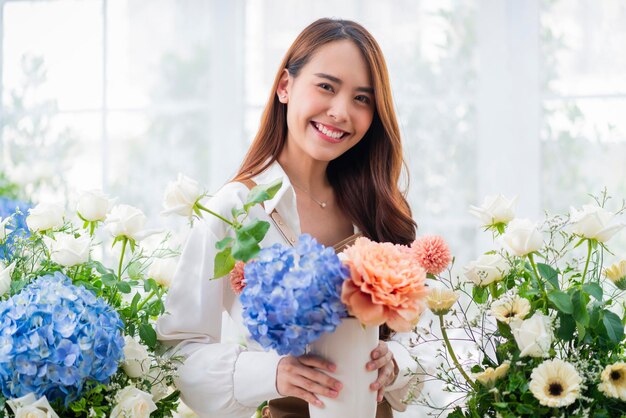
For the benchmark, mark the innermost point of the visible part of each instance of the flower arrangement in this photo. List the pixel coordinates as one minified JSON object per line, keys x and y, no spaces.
{"x":541,"y":315}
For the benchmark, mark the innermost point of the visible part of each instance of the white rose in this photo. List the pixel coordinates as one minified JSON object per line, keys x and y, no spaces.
{"x":3,"y":229}
{"x":67,"y":250}
{"x":487,"y":269}
{"x":93,"y":205}
{"x":5,"y":277}
{"x":45,"y":216}
{"x":30,"y":407}
{"x":494,"y":210}
{"x":533,"y":335}
{"x":132,"y":402}
{"x":593,"y":222}
{"x":522,"y":237}
{"x":181,"y":195}
{"x":136,"y":359}
{"x":159,"y":389}
{"x":162,"y":270}
{"x":126,"y":221}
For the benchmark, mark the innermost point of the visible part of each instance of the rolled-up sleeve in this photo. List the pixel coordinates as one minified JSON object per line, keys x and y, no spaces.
{"x":407,"y":381}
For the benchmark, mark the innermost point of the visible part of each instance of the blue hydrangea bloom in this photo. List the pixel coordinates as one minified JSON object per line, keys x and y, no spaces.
{"x":293,"y":295}
{"x":54,"y":337}
{"x":17,"y":225}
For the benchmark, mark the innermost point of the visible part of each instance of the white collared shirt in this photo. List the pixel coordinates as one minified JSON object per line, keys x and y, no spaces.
{"x":230,"y":379}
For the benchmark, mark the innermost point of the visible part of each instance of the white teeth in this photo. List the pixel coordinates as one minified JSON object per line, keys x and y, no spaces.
{"x":327,"y":132}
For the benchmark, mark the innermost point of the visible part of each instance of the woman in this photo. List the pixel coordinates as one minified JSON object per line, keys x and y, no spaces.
{"x":329,"y":132}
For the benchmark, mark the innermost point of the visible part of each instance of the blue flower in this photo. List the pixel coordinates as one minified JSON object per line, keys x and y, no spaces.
{"x":293,"y":295}
{"x":17,"y":225}
{"x":54,"y":337}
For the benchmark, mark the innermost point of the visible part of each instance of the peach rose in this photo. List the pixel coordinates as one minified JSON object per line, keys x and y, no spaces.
{"x":386,"y":284}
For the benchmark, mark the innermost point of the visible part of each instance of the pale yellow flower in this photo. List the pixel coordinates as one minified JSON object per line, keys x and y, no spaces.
{"x":508,"y":308}
{"x":555,"y":383}
{"x":491,"y":375}
{"x":614,"y":381}
{"x":617,"y":274}
{"x":440,"y":300}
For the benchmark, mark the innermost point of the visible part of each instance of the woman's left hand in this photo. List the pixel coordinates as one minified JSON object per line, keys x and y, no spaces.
{"x":382,"y":360}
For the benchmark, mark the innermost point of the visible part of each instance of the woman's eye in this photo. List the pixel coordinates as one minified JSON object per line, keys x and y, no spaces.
{"x":325,"y":86}
{"x":363,"y":99}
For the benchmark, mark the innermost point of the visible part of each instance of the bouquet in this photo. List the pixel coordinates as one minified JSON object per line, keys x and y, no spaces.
{"x":543,"y":314}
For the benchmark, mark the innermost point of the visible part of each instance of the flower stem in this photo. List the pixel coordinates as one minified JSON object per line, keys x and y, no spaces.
{"x":540,"y":282}
{"x":217,"y":215}
{"x":452,"y":355}
{"x":534,"y":266}
{"x":582,"y":280}
{"x":143,"y":302}
{"x":119,"y":268}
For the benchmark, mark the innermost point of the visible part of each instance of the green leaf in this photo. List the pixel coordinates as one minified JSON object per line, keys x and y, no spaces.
{"x":220,"y":245}
{"x":245,"y":246}
{"x":150,"y":285}
{"x":580,"y":242}
{"x":223,"y":263}
{"x":594,"y":289}
{"x":567,"y":326}
{"x":580,"y":301}
{"x":613,"y":325}
{"x":551,"y":275}
{"x":134,"y":270}
{"x":261,"y":193}
{"x":108,"y":279}
{"x":237,"y":212}
{"x":123,"y":287}
{"x":480,"y":294}
{"x":256,"y":229}
{"x":561,"y":300}
{"x":147,"y":335}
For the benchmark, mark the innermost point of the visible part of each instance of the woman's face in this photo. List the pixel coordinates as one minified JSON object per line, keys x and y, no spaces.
{"x":330,"y":104}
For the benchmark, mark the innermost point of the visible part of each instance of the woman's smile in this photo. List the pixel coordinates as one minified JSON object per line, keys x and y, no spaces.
{"x":329,"y":133}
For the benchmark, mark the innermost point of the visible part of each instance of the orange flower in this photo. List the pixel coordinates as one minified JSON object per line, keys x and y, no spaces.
{"x":384,"y":285}
{"x":432,"y":253}
{"x":237,"y":280}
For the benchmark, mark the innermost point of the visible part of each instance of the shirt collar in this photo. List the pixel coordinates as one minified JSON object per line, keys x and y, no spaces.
{"x":273,"y":172}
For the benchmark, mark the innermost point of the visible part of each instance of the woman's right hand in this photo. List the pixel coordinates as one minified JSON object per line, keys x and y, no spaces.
{"x":300,"y":377}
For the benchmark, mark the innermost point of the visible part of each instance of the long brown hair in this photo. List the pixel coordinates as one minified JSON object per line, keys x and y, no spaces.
{"x":365,"y":178}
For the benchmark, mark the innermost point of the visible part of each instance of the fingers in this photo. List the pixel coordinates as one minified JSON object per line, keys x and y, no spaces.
{"x":317,"y":362}
{"x":380,"y":357}
{"x":299,"y":377}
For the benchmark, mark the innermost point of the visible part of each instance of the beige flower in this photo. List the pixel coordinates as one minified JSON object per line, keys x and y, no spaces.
{"x":490,"y":375}
{"x":506,"y":309}
{"x":617,"y":274}
{"x":487,"y":269}
{"x":555,"y":383}
{"x":440,"y":300}
{"x":614,"y":381}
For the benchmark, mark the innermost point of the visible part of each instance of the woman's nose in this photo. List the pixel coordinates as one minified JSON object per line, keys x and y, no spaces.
{"x":338,"y":109}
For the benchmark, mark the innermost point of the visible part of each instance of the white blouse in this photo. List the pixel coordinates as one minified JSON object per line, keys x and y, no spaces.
{"x":224,"y":379}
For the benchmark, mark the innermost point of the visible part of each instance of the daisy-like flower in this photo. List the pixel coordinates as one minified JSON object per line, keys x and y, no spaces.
{"x":555,"y":383}
{"x":237,"y":282}
{"x":440,"y":300}
{"x":617,"y":274}
{"x":509,"y":308}
{"x":432,"y":253}
{"x":491,"y":375}
{"x":614,"y":381}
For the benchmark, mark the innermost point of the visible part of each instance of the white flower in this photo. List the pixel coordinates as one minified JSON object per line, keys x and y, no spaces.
{"x":614,"y":381}
{"x":593,"y":222}
{"x":126,"y":221}
{"x":522,"y":237}
{"x":441,"y":300}
{"x":159,"y":389}
{"x":67,"y":250}
{"x":136,"y":359}
{"x":93,"y":205}
{"x":487,"y":269}
{"x":491,"y":375}
{"x":181,"y":196}
{"x":495,"y":210}
{"x":555,"y":383}
{"x":45,"y":216}
{"x":162,"y":270}
{"x":507,"y":309}
{"x":30,"y":407}
{"x":132,"y":402}
{"x":533,"y":335}
{"x":5,"y":277}
{"x":3,"y":230}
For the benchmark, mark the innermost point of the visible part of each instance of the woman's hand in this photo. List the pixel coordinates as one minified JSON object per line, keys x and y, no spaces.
{"x":382,"y":360}
{"x":299,"y":377}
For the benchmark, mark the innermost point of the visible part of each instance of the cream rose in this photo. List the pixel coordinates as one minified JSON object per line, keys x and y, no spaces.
{"x":93,"y":205}
{"x":30,"y":407}
{"x":162,"y":270}
{"x":495,"y":210}
{"x":134,"y":403}
{"x":126,"y":221}
{"x":533,"y":336}
{"x":181,"y":196}
{"x":487,"y":269}
{"x":136,"y":359}
{"x":593,"y":222}
{"x":5,"y":277}
{"x":67,"y":250}
{"x":45,"y":216}
{"x":522,"y":237}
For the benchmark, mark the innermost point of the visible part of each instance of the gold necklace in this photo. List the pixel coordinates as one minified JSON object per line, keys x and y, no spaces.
{"x":321,"y":203}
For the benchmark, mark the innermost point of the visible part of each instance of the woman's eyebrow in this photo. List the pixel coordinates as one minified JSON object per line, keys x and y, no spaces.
{"x":338,"y":81}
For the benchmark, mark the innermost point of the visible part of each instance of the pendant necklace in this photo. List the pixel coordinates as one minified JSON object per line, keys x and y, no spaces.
{"x":321,"y":203}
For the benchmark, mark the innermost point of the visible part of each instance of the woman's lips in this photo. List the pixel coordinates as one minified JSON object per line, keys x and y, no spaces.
{"x":328,"y":136}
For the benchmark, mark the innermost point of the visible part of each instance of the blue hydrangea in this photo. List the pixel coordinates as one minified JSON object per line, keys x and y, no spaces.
{"x":54,"y":337}
{"x":17,"y":225}
{"x":293,"y":295}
